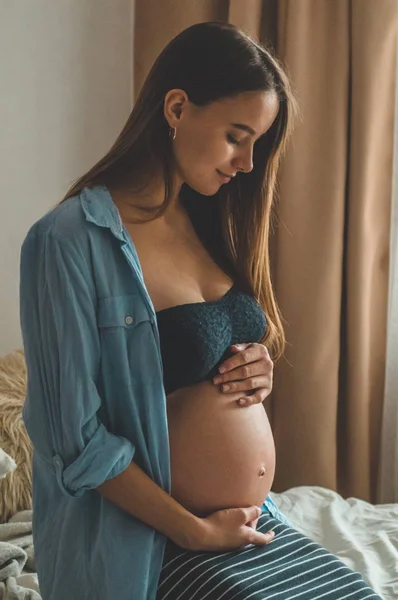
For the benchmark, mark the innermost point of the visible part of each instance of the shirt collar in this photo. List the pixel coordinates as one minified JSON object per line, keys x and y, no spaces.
{"x":100,"y":209}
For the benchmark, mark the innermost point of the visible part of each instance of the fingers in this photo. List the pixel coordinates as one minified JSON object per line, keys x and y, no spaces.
{"x":232,"y":528}
{"x":243,"y":372}
{"x":252,"y":524}
{"x":256,"y":398}
{"x":252,"y":536}
{"x":261,"y":367}
{"x":251,"y":383}
{"x":260,"y":539}
{"x":251,"y":353}
{"x":249,"y":514}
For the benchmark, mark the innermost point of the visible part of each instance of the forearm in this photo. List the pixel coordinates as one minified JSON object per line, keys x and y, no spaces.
{"x":140,"y":496}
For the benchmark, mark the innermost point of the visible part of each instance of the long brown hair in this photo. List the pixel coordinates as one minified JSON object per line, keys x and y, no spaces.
{"x":211,"y":61}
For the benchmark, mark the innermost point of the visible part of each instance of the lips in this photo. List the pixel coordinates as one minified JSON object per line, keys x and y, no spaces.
{"x":226,"y":174}
{"x":224,"y":178}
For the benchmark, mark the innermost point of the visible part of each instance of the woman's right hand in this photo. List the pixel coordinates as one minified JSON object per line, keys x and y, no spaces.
{"x":227,"y":529}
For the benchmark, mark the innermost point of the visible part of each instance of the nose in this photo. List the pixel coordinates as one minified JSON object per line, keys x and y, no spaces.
{"x":245,"y":161}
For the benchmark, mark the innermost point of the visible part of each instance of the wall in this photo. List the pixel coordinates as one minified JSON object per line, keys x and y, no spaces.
{"x":66,"y":91}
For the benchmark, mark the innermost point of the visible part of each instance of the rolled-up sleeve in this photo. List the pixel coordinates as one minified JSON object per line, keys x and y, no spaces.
{"x":63,"y":357}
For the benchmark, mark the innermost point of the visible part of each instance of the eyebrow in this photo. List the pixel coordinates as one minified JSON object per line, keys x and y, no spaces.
{"x":244,"y":128}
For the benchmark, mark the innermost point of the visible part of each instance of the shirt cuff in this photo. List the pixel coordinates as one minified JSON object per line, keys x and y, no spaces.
{"x":105,"y":456}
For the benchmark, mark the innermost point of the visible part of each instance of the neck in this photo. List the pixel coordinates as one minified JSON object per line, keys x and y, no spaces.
{"x":147,"y":200}
{"x":142,"y":204}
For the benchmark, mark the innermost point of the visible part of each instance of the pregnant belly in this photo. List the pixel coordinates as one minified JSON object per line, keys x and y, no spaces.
{"x":222,"y":455}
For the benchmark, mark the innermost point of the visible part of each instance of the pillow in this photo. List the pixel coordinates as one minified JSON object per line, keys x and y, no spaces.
{"x":16,"y":486}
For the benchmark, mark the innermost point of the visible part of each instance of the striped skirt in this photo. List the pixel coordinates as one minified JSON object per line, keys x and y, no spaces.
{"x":291,"y":566}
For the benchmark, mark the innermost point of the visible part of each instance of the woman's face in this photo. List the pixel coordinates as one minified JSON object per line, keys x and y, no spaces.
{"x":219,"y":138}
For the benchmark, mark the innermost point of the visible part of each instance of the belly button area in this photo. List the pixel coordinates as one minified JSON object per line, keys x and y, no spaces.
{"x":261,"y":472}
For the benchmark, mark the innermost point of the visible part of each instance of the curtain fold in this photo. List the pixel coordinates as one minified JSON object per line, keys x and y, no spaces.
{"x":388,"y":479}
{"x":308,"y":250}
{"x":330,"y":250}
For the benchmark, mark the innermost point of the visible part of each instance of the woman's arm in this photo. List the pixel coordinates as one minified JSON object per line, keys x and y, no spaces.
{"x":136,"y":493}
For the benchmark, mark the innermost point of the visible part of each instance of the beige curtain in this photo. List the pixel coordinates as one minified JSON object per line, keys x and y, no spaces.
{"x":388,"y":475}
{"x":331,"y":245}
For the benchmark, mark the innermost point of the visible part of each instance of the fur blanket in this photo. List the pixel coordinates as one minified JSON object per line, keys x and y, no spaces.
{"x":16,"y":488}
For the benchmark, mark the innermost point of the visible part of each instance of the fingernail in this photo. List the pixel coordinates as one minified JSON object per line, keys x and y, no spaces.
{"x":259,"y":512}
{"x":225,"y":388}
{"x":222,"y":369}
{"x":241,"y":401}
{"x":217,"y":380}
{"x":271,"y":533}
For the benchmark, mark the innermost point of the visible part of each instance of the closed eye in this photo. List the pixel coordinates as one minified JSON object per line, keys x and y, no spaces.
{"x":232,"y":140}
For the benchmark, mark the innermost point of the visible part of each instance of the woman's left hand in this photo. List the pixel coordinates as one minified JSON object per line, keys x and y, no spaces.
{"x":250,"y":370}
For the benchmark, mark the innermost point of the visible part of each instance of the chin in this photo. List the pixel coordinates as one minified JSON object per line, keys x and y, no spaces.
{"x":205,"y":190}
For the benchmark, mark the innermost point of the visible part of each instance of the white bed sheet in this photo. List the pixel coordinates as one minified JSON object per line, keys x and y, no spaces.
{"x":362,"y":535}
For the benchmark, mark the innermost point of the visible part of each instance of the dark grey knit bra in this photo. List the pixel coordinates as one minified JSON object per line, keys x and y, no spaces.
{"x":195,"y":338}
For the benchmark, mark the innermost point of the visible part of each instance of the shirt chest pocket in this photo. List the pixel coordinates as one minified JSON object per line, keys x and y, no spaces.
{"x":122,"y":311}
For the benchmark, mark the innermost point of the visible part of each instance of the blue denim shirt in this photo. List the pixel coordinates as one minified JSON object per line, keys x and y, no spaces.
{"x":95,"y":401}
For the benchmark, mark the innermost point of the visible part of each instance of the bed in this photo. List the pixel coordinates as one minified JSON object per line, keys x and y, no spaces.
{"x":362,"y":535}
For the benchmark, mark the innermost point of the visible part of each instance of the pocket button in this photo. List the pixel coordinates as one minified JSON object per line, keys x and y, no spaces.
{"x":128,"y":320}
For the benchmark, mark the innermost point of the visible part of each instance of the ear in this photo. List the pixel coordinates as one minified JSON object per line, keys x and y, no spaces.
{"x":175,"y":102}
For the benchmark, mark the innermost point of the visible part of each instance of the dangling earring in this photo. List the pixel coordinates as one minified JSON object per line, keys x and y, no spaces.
{"x":173,"y":132}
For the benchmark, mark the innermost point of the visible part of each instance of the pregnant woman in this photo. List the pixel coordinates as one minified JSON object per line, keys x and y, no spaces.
{"x":145,"y":293}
